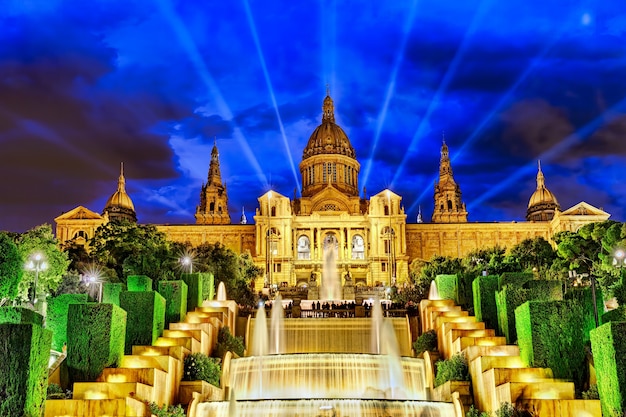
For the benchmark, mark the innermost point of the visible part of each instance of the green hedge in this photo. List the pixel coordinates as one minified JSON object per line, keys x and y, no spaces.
{"x":208,"y":285}
{"x":513,"y":296}
{"x":25,"y":351}
{"x":514,"y":279}
{"x":56,"y":318}
{"x":584,"y":297}
{"x":619,"y":314}
{"x":111,"y":292}
{"x":448,"y":287}
{"x":139,"y":283}
{"x":175,"y":294}
{"x":485,"y":309}
{"x":551,"y":334}
{"x":95,"y":339}
{"x":608,"y":343}
{"x":146,"y":317}
{"x":19,"y":315}
{"x":194,"y":290}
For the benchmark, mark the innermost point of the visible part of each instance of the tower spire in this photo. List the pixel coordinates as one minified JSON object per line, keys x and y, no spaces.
{"x":213,"y":208}
{"x":448,"y":205}
{"x":121,"y":181}
{"x":328,"y":108}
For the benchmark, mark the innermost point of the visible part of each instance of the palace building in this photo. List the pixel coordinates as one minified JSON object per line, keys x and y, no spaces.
{"x":372,"y":242}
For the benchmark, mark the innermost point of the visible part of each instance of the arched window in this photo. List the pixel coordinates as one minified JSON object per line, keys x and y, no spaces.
{"x":273,"y":212}
{"x":81,"y":234}
{"x":331,"y":243}
{"x":212,"y":207}
{"x":304,"y":247}
{"x":358,"y":247}
{"x":386,"y":210}
{"x":449,"y":204}
{"x":387,"y":238}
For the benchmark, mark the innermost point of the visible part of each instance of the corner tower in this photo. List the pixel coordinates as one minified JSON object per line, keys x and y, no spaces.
{"x":448,"y":205}
{"x":542,"y":204}
{"x":119,"y":206}
{"x":213,"y":208}
{"x":329,"y":158}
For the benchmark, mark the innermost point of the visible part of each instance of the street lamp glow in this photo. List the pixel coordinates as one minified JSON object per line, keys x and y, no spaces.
{"x":187,"y":262}
{"x":36,"y":263}
{"x":619,"y":258}
{"x":94,"y":275}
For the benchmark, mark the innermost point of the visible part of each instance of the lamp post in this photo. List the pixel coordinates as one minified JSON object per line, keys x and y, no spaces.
{"x":93,"y":279}
{"x":619,"y":261}
{"x":93,"y":275}
{"x":36,"y":263}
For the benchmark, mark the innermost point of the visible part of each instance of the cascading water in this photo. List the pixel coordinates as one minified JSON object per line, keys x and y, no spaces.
{"x":221,"y":292}
{"x":377,"y":326}
{"x":277,"y":328}
{"x":433,"y":293}
{"x":260,"y":341}
{"x":330,"y":288}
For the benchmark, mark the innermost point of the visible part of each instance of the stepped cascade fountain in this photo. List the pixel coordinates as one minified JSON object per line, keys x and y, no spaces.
{"x":325,"y":367}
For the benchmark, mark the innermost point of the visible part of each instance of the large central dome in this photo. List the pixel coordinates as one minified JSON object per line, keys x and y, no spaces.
{"x":329,"y":158}
{"x":328,"y":138}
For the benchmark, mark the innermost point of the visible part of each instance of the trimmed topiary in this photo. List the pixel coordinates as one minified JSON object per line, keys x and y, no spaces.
{"x":56,"y":319}
{"x":226,"y":342}
{"x":448,"y":287}
{"x":25,"y":350}
{"x":146,"y":317}
{"x":175,"y":294}
{"x":514,"y":279}
{"x":453,"y":369}
{"x":95,"y":339}
{"x":427,"y":341}
{"x":194,"y":290}
{"x":484,"y":289}
{"x":512,"y":296}
{"x":608,"y":343}
{"x":208,"y":285}
{"x":139,"y":283}
{"x":619,"y":314}
{"x":551,"y":335}
{"x":111,"y":292}
{"x":19,"y":315}
{"x":200,"y":367}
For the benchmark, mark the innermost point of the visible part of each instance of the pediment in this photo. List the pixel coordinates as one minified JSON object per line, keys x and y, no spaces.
{"x":584,"y":209}
{"x":79,"y":213}
{"x":330,"y":199}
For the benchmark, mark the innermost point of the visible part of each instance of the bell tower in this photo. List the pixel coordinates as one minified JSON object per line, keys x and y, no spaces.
{"x":448,"y":205}
{"x":213,"y":208}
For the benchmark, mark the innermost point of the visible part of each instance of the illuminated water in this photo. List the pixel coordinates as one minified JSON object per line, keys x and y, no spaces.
{"x":377,"y":326}
{"x":277,"y":327}
{"x":433,"y":293}
{"x":221,"y":292}
{"x":330,"y":288}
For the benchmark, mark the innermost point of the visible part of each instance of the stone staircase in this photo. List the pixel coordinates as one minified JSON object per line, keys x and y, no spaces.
{"x":149,"y":374}
{"x":497,"y":372}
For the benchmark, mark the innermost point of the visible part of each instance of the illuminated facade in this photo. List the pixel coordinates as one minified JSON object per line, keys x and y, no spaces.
{"x":371,"y":239}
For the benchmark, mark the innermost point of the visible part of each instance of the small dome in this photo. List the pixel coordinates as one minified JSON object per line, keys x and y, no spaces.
{"x":119,"y":205}
{"x":328,"y":138}
{"x":542,"y":204}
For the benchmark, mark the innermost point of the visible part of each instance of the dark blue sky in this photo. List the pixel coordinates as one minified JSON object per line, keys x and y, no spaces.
{"x":85,"y":85}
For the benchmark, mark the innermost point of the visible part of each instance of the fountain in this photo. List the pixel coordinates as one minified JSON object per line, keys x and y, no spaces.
{"x":277,"y":337}
{"x":334,"y":367}
{"x":221,"y":292}
{"x":330,"y":288}
{"x":433,"y":293}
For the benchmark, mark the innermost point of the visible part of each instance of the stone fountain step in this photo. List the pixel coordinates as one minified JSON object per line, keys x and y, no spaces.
{"x":205,"y":327}
{"x":493,"y":377}
{"x":162,"y":363}
{"x":177,"y":352}
{"x":453,"y":334}
{"x":561,"y":408}
{"x":127,"y":407}
{"x":186,"y":342}
{"x":147,"y":376}
{"x":474,"y":352}
{"x":461,"y":343}
{"x":194,"y":337}
{"x":112,"y":390}
{"x":511,"y":392}
{"x":454,"y":323}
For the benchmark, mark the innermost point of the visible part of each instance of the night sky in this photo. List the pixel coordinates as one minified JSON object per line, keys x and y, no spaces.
{"x":85,"y":85}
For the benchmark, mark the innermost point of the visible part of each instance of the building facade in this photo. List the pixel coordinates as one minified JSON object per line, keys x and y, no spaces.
{"x":369,"y":238}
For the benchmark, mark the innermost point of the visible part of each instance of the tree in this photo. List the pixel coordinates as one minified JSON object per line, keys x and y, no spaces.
{"x":11,"y":269}
{"x":534,"y":254}
{"x":133,"y":249}
{"x":41,"y":240}
{"x":236,"y":271}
